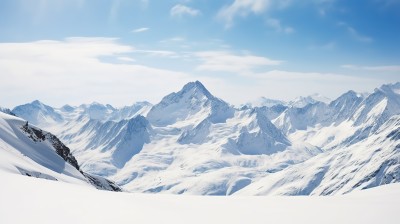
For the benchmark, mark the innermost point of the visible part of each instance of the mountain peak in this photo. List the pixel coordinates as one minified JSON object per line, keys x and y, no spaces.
{"x":36,"y":102}
{"x":67,"y":108}
{"x":196,"y":86}
{"x":36,"y":112}
{"x":393,"y":88}
{"x":263,"y":101}
{"x":194,"y":102}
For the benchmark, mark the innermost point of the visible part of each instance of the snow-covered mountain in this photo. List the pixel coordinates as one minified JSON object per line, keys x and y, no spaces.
{"x":195,"y":143}
{"x":301,"y":101}
{"x":6,"y":111}
{"x":369,"y":163}
{"x":265,"y":102}
{"x":38,"y":113}
{"x":27,"y":150}
{"x":192,"y":104}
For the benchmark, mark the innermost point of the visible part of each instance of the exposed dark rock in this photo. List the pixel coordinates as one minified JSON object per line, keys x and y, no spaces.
{"x":102,"y":183}
{"x":37,"y":135}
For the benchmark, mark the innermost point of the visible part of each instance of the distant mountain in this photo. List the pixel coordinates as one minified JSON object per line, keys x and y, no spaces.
{"x":6,"y":111}
{"x":266,"y":102}
{"x":38,"y":113}
{"x":369,"y":163}
{"x":195,"y":143}
{"x":312,"y":99}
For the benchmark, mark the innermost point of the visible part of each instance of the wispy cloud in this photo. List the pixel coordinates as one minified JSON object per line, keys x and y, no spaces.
{"x":230,"y":62}
{"x":172,"y":40}
{"x":305,"y":83}
{"x":158,"y":53}
{"x":73,"y":71}
{"x":140,"y":30}
{"x":242,"y":8}
{"x":356,"y":35}
{"x":126,"y":59}
{"x":326,"y":46}
{"x":278,"y":27}
{"x":182,"y":10}
{"x":382,"y":68}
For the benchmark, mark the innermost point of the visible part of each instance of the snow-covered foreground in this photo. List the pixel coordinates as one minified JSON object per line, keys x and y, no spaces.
{"x":31,"y":200}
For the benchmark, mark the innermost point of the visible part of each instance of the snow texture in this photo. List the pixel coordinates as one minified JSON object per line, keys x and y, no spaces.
{"x":195,"y":143}
{"x":31,"y":200}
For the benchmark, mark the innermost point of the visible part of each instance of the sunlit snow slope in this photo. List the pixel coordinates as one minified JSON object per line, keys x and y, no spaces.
{"x":27,"y":150}
{"x":31,"y":200}
{"x":192,"y":142}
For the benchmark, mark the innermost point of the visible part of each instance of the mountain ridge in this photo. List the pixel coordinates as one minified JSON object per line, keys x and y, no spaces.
{"x":195,"y":143}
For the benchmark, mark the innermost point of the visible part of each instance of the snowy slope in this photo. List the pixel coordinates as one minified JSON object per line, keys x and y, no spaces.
{"x":23,"y":152}
{"x":191,"y":153}
{"x":27,"y":150}
{"x":187,"y":138}
{"x":195,"y":143}
{"x":192,"y":104}
{"x":6,"y":111}
{"x":28,"y":200}
{"x":369,"y":163}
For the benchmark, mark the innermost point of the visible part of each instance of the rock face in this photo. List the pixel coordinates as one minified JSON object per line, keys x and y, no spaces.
{"x":102,"y":183}
{"x":37,"y":135}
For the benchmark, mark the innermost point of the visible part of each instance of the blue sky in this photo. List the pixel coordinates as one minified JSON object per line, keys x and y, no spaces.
{"x":119,"y":52}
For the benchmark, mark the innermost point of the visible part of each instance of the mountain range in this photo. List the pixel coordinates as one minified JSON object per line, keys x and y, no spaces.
{"x":192,"y":142}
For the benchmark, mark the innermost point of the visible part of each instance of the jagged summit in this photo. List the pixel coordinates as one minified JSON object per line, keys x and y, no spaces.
{"x":301,"y":101}
{"x":36,"y":102}
{"x":196,"y":87}
{"x":391,"y":86}
{"x":193,"y":142}
{"x":193,"y":101}
{"x":345,"y":98}
{"x":38,"y":113}
{"x":67,"y":108}
{"x":192,"y":90}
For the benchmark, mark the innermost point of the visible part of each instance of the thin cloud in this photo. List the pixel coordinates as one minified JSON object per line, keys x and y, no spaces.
{"x":140,"y":30}
{"x":172,"y":40}
{"x":382,"y":68}
{"x":229,"y":62}
{"x":242,"y":8}
{"x":278,"y":27}
{"x":271,"y":83}
{"x":126,"y":59}
{"x":356,"y":35}
{"x":158,"y":53}
{"x":77,"y":70}
{"x":327,"y":46}
{"x":182,"y":10}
